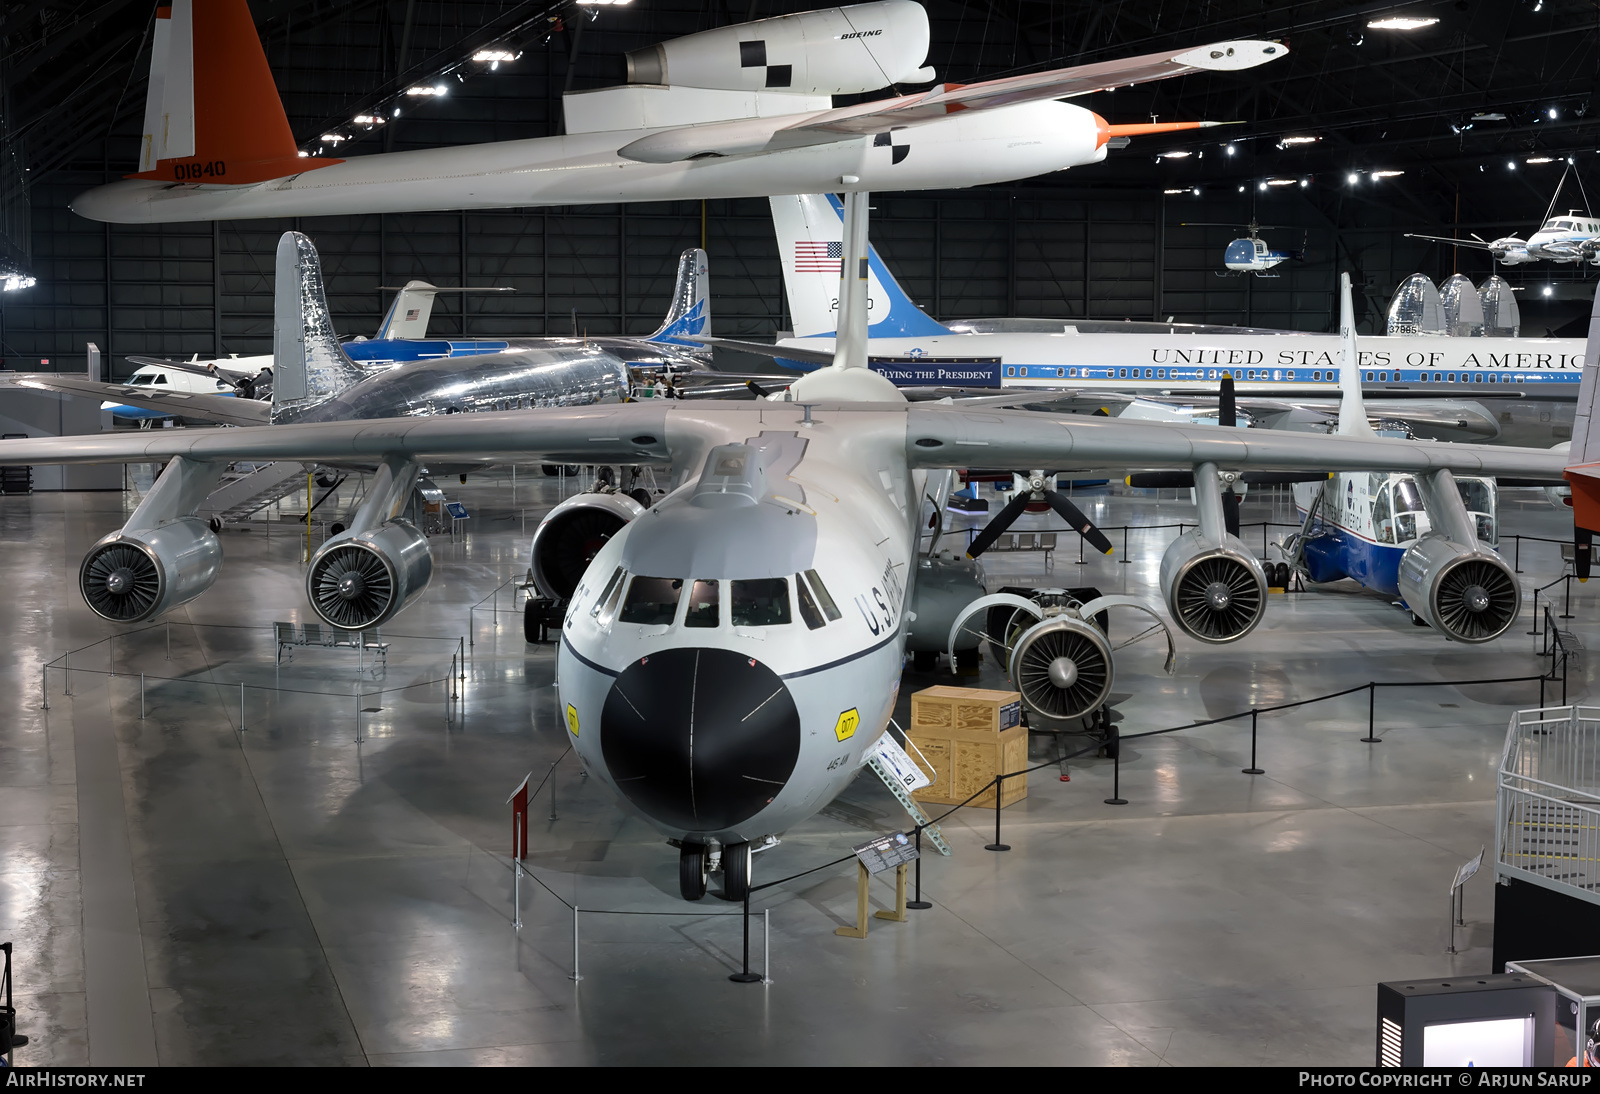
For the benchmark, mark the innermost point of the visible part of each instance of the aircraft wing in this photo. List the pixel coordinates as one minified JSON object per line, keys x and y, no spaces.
{"x":198,"y":368}
{"x":744,"y":135}
{"x":227,"y":409}
{"x":1476,"y":244}
{"x":935,"y":436}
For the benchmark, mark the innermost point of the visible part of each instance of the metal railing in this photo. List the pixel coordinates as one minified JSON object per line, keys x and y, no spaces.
{"x":1547,"y":827}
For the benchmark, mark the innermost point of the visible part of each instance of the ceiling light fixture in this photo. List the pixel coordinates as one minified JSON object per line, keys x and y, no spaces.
{"x":493,"y":56}
{"x":1280,"y":182}
{"x":367,"y":119}
{"x":1552,"y":113}
{"x":1178,"y":155}
{"x":1285,"y":142}
{"x":1540,"y":159}
{"x":1401,"y":22}
{"x":1386,"y":174}
{"x":1491,"y":116}
{"x":1180,"y":190}
{"x":1230,"y":149}
{"x":424,"y":90}
{"x":18,"y":281}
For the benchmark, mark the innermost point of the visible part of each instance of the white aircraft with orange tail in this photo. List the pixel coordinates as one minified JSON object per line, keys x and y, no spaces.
{"x":739,"y":111}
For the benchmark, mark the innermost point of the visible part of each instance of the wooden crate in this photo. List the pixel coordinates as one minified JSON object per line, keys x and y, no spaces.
{"x":958,"y":732}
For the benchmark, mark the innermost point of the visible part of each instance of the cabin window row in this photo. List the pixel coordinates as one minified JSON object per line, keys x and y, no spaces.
{"x":751,"y":602}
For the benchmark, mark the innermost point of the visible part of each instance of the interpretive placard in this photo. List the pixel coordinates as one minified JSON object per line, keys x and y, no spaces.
{"x":886,"y":852}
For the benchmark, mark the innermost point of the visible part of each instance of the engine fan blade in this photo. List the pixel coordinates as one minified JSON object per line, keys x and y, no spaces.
{"x":1082,"y":524}
{"x":1230,"y":512}
{"x":1227,"y":411}
{"x":997,"y":527}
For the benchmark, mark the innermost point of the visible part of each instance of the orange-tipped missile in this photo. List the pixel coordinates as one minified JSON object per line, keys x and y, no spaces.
{"x":1142,"y":129}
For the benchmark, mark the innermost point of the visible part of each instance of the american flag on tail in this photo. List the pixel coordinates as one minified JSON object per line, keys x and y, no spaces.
{"x":817,"y":257}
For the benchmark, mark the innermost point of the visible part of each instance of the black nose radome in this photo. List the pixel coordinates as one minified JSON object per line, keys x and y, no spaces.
{"x":700,"y":739}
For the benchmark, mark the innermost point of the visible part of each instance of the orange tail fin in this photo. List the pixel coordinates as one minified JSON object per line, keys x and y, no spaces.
{"x":213,"y":114}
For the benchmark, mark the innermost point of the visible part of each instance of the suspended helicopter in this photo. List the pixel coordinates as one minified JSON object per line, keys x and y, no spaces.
{"x":1250,"y":254}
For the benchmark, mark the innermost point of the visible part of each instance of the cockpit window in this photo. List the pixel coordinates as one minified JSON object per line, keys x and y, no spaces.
{"x":160,"y":379}
{"x":1475,"y":495}
{"x":761,"y":602}
{"x":606,"y":600}
{"x":729,"y":466}
{"x":652,"y":600}
{"x":703,"y":605}
{"x":808,"y":608}
{"x":829,"y":609}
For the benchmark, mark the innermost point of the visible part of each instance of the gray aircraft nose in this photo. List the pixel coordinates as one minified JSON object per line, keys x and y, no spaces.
{"x":699,"y":739}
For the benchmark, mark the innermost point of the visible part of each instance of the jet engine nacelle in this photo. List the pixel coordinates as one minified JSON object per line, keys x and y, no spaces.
{"x":364,"y":579}
{"x":1215,"y":589}
{"x":571,"y":534}
{"x":132,"y":576}
{"x":945,"y":585}
{"x":840,"y":51}
{"x":1468,"y":594}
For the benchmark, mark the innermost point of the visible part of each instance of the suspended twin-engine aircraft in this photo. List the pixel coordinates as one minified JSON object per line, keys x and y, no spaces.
{"x":1167,"y":370}
{"x":740,"y":111}
{"x":728,"y":655}
{"x":1568,"y":239}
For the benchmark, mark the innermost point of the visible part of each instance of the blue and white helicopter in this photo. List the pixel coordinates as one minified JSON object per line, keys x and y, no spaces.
{"x":1250,"y":254}
{"x":1379,"y":530}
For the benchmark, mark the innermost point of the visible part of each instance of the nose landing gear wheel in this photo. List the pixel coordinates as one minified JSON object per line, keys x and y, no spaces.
{"x":692,"y":871}
{"x":736,"y":871}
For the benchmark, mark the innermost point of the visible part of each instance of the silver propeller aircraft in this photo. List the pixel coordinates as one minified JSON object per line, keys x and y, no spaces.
{"x":728,"y":655}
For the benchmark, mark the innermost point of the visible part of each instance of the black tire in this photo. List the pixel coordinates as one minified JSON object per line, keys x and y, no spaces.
{"x":530,"y":621}
{"x":1417,"y":620}
{"x":551,"y":470}
{"x":1283,"y":575}
{"x":924,"y":660}
{"x":692,"y":871}
{"x":640,"y":495}
{"x":572,"y":468}
{"x":736,"y":871}
{"x":215,"y":524}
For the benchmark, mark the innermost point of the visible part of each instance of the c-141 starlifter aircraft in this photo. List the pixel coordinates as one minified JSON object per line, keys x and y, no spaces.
{"x":1431,"y":384}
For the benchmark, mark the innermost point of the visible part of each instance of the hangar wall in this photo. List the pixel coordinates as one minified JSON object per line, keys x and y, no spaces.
{"x":181,"y":289}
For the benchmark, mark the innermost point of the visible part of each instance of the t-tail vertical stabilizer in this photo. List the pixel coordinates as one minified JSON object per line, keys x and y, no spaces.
{"x":308,"y":364}
{"x":810,"y":229}
{"x":1352,"y":408}
{"x":234,"y":131}
{"x":690,"y":314}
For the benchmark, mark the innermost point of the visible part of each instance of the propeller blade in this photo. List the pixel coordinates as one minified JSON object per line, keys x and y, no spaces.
{"x":759,"y":391}
{"x":997,"y":527}
{"x":1082,"y":524}
{"x":1230,"y":512}
{"x":1227,"y":413}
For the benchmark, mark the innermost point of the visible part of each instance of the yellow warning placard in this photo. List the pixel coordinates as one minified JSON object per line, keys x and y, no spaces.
{"x":572,"y":719}
{"x":845,"y":727}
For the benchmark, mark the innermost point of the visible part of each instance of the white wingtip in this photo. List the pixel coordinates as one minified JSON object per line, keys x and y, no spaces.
{"x":1233,"y":56}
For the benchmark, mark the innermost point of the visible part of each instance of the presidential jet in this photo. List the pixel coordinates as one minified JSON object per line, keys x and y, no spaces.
{"x":739,"y":111}
{"x":730,"y":653}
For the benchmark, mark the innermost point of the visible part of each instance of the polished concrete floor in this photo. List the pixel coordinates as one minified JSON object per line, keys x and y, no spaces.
{"x":182,"y":890}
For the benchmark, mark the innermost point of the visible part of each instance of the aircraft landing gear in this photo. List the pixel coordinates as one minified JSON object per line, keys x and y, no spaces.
{"x":693,"y":870}
{"x":736,"y":871}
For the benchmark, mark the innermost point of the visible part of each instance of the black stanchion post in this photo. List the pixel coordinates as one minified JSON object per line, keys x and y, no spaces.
{"x":1563,"y":677}
{"x":1116,"y":797}
{"x":1541,"y":690}
{"x":997,"y":845}
{"x":1372,"y":737}
{"x":1124,"y":559}
{"x":1253,"y":769}
{"x":1080,"y":550}
{"x":1263,"y":541}
{"x":1516,"y":557}
{"x":919,"y":904}
{"x":1566,"y":611}
{"x":746,"y":976}
{"x":1535,"y":629}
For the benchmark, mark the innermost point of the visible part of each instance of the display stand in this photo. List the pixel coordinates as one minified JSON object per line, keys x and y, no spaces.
{"x":899,"y":913}
{"x":860,"y":929}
